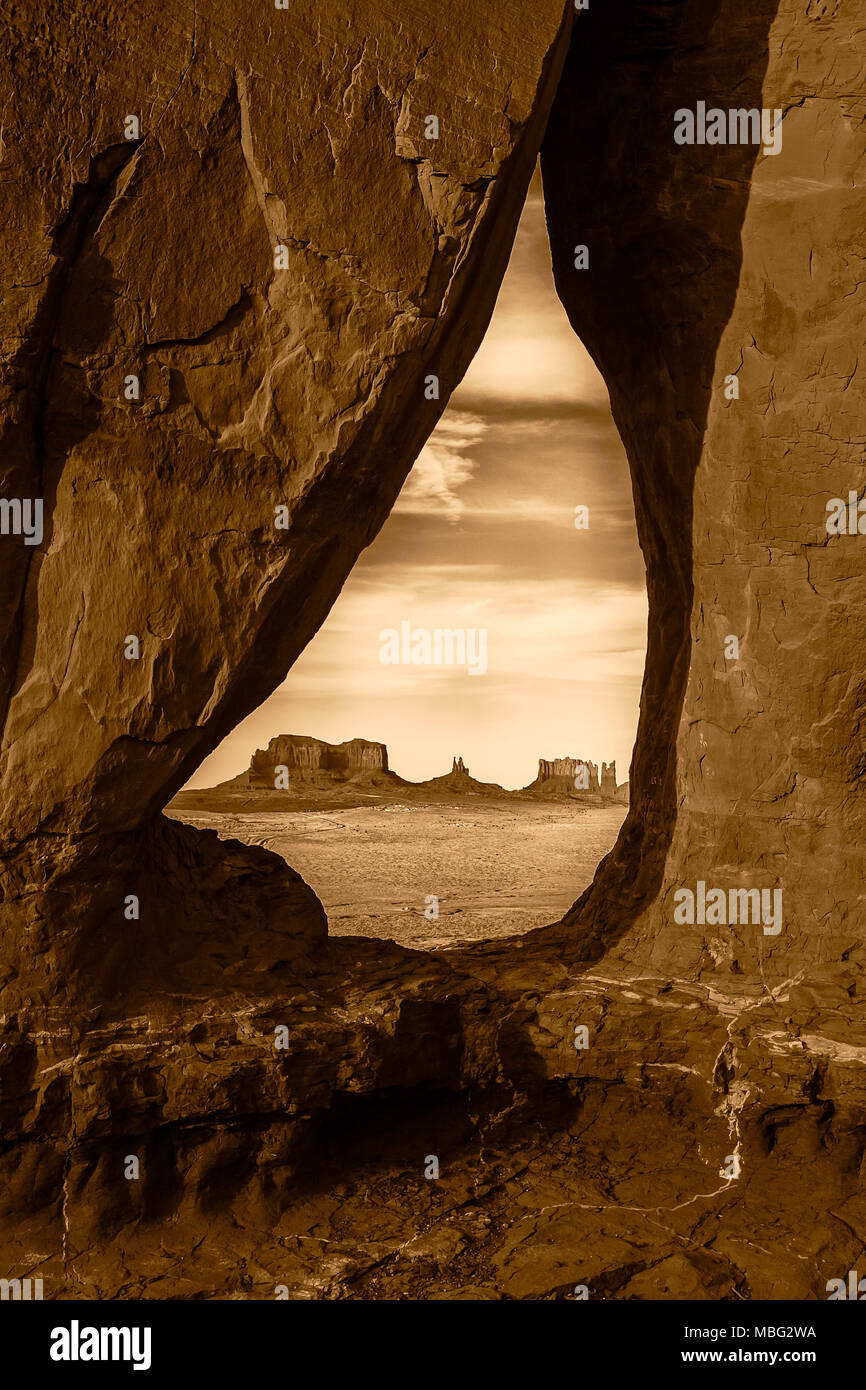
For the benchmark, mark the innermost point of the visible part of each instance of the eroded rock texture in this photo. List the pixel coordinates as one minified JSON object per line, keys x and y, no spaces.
{"x":215,"y":519}
{"x":706,"y":262}
{"x":607,"y":779}
{"x":310,"y":757}
{"x":602,"y":1159}
{"x":571,"y":774}
{"x":718,"y":262}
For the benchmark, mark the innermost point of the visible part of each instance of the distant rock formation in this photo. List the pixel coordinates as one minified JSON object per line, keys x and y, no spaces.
{"x":576,"y":777}
{"x":315,"y":767}
{"x":459,"y":780}
{"x":311,"y":760}
{"x":560,"y":776}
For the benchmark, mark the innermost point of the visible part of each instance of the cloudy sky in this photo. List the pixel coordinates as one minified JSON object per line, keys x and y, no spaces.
{"x":483,"y":536}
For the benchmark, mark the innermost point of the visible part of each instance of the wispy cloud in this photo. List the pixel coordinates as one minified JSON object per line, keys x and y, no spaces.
{"x":483,"y":536}
{"x":442,"y":468}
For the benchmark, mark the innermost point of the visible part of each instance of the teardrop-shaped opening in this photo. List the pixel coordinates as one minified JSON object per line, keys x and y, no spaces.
{"x":440,"y":765}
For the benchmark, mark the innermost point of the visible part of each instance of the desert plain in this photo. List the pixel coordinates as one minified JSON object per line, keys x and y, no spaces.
{"x":496,"y":868}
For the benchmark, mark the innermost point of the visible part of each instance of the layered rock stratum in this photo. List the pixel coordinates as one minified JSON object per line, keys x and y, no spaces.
{"x":312,"y":759}
{"x":575,"y":774}
{"x":296,"y":765}
{"x":280,"y":260}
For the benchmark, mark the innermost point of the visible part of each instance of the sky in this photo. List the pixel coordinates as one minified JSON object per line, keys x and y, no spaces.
{"x":483,"y":537}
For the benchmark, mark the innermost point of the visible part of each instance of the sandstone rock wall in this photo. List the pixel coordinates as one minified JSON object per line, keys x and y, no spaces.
{"x":217,"y":341}
{"x":566,"y":770}
{"x":300,"y":381}
{"x":708,"y":261}
{"x":302,"y":755}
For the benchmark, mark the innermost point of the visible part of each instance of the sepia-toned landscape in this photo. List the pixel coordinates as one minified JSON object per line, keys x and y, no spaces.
{"x":373,"y":846}
{"x":432,"y":807}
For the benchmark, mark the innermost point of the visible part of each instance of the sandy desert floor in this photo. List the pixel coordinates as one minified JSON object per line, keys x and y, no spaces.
{"x":495,"y":868}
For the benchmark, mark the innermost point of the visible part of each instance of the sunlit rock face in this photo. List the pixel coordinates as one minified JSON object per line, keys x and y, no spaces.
{"x":226,"y":341}
{"x":568,"y":775}
{"x":607,"y":779}
{"x":725,"y":313}
{"x":574,"y":777}
{"x":311,"y":758}
{"x":568,"y":768}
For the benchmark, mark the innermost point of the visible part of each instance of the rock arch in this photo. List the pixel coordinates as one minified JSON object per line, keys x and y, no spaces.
{"x":261,"y":386}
